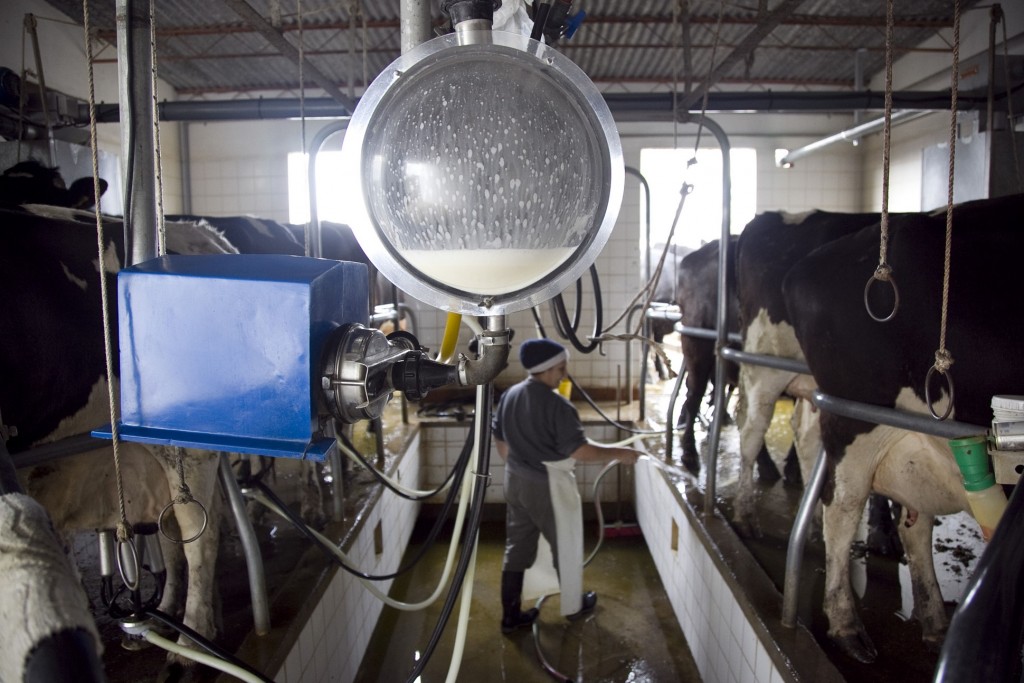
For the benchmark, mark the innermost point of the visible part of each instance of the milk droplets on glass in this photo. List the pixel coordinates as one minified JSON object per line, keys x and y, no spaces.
{"x":485,"y":189}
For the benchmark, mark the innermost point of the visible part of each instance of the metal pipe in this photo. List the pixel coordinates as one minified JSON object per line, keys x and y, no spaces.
{"x":338,"y":499}
{"x":250,"y":547}
{"x":629,"y":361}
{"x":494,"y":349}
{"x":30,"y":28}
{"x":722,"y":320}
{"x":702,"y":333}
{"x":926,"y":424}
{"x":670,"y":422}
{"x":774,"y":362}
{"x":851,"y":134}
{"x":138,"y":139}
{"x":185,"y":152}
{"x":415,"y":23}
{"x":72,"y":445}
{"x":647,"y":278}
{"x":798,"y":538}
{"x":624,"y":106}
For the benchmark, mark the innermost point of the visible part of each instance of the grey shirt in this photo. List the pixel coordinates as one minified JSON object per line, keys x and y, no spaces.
{"x":538,"y":425}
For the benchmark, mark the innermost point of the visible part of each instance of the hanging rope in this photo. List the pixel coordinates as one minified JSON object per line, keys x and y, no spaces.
{"x":883,"y":273}
{"x":943,"y":358}
{"x":124,"y":529}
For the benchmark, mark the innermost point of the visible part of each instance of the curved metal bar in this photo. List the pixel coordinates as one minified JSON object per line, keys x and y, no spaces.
{"x":798,"y":538}
{"x":129,"y":573}
{"x":895,"y":303}
{"x":170,"y":506}
{"x":774,"y":362}
{"x":928,"y":393}
{"x":315,"y":145}
{"x":250,"y":548}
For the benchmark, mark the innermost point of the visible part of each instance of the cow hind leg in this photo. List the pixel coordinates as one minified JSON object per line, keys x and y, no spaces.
{"x":759,"y":390}
{"x":929,"y":608}
{"x":840,"y":521}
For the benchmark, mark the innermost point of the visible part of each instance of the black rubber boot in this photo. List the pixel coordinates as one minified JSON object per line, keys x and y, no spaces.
{"x":512,"y":617}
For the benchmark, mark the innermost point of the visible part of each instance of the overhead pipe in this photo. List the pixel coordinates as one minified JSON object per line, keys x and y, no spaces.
{"x":624,"y":106}
{"x":851,"y":135}
{"x":415,"y":23}
{"x":138,"y":136}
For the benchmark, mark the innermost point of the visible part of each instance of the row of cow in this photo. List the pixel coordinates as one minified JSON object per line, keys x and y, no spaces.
{"x":800,"y":291}
{"x":54,"y":373}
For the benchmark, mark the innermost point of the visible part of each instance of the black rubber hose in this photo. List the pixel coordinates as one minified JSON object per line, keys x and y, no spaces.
{"x":562,"y":321}
{"x":387,"y":482}
{"x":469,"y":538}
{"x":460,"y":469}
{"x":211,"y":647}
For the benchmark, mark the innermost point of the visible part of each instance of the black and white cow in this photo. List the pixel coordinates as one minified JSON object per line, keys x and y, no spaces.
{"x":55,"y":385}
{"x":768,"y":247}
{"x":30,"y":182}
{"x":852,"y":356}
{"x":697,"y":298}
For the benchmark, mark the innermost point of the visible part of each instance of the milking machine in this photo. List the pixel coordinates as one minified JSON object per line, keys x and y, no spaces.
{"x":488,"y":176}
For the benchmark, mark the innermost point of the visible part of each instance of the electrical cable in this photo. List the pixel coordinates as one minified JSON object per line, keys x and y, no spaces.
{"x":483,"y":442}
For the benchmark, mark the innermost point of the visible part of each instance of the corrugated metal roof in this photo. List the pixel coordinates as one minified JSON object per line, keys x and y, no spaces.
{"x":206,"y":48}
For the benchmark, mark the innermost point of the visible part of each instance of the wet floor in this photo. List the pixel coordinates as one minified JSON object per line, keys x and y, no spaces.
{"x":631,"y":636}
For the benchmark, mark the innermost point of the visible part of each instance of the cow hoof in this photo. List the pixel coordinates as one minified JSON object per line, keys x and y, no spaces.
{"x":857,"y":646}
{"x":767,"y":471}
{"x":176,"y":672}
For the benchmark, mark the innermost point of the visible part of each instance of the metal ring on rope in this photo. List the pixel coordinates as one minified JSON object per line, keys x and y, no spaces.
{"x":184,"y":500}
{"x":132,"y":585}
{"x":942,"y":362}
{"x":882,"y":274}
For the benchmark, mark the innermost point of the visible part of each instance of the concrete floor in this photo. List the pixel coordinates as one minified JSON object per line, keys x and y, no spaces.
{"x":633,"y":634}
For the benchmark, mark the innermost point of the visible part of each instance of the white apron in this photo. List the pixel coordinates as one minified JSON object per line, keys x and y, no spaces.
{"x":565,"y":499}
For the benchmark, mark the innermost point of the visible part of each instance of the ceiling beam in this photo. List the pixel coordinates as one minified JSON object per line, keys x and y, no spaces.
{"x":769,"y":22}
{"x":792,"y":20}
{"x":277,"y":39}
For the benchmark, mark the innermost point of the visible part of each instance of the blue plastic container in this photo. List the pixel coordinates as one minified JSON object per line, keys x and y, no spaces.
{"x":223,"y":352}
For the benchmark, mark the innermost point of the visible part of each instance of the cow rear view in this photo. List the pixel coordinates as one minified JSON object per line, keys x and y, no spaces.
{"x":886,"y":364}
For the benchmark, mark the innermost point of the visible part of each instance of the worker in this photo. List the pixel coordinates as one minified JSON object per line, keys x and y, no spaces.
{"x":539,"y":435}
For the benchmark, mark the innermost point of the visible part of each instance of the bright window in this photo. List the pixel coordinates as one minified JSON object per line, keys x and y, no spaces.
{"x":333,"y":193}
{"x":701,"y":219}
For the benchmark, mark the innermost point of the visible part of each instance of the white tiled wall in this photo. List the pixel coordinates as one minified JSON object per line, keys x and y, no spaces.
{"x":723,"y":643}
{"x":334,"y":638}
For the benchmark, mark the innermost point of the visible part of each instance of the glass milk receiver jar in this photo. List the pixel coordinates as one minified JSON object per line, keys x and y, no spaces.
{"x":489,"y":172}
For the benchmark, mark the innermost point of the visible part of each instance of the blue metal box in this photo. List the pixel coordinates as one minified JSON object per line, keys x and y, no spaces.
{"x":222,"y":352}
